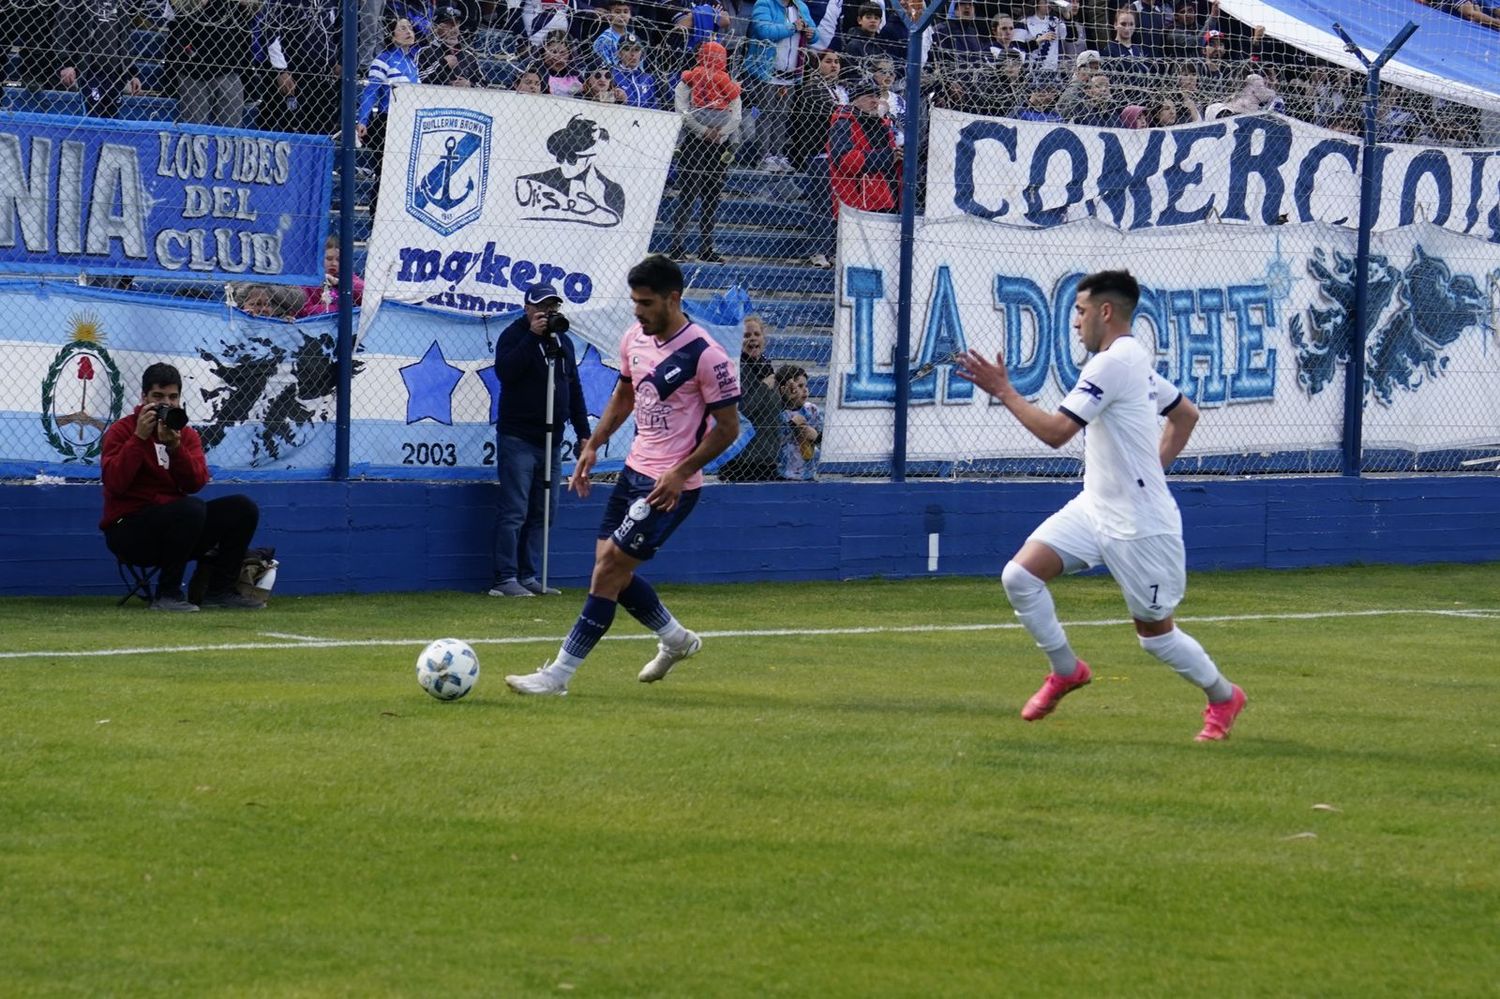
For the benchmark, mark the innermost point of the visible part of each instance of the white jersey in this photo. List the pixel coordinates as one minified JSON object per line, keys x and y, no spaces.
{"x":1118,"y":400}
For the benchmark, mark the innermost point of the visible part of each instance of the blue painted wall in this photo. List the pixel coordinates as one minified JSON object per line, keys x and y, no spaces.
{"x":369,"y":536}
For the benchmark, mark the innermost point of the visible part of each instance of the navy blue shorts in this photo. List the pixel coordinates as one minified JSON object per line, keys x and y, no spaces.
{"x":638,"y":528}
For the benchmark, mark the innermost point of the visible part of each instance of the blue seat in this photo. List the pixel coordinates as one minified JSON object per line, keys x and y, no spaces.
{"x":68,"y":102}
{"x":153,"y":76}
{"x":147,"y":43}
{"x":249,"y":116}
{"x":143,"y":108}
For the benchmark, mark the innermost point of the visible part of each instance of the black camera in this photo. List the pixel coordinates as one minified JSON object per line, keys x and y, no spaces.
{"x":171,"y":417}
{"x":557,"y":323}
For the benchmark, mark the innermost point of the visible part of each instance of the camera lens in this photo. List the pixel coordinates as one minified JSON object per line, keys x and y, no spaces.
{"x":557,"y":323}
{"x":171,"y":417}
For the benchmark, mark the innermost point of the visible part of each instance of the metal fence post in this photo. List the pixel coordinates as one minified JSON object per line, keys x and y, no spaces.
{"x":911,"y":155}
{"x":1369,"y":194}
{"x":348,"y":68}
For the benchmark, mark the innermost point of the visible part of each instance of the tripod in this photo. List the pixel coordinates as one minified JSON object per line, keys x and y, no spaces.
{"x":553,"y":353}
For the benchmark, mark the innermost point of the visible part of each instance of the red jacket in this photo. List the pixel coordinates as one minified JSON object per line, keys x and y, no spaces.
{"x":133,"y":475}
{"x":861,"y":168}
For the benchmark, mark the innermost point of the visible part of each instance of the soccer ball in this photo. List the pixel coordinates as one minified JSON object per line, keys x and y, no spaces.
{"x":447,"y":669}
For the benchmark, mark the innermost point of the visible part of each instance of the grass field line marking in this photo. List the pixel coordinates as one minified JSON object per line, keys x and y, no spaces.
{"x":353,"y":643}
{"x":294,"y":638}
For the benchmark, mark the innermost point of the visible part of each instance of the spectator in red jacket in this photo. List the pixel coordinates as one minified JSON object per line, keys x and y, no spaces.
{"x":150,"y":471}
{"x":864,"y":164}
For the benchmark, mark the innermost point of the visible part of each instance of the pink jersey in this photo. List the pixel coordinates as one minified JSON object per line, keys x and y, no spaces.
{"x":676,"y":384}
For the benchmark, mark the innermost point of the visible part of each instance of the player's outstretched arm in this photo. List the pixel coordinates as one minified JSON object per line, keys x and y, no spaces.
{"x":1052,"y":429}
{"x":1181,"y":420}
{"x":616,"y":412}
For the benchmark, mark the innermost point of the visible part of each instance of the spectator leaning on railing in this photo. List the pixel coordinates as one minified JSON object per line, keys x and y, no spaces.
{"x":95,"y":58}
{"x":802,"y":426}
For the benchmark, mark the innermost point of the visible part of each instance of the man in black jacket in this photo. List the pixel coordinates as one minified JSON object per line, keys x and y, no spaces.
{"x":525,"y":352}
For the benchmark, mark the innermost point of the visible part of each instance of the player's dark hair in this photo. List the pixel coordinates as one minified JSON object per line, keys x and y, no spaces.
{"x":1119,"y":285}
{"x":162,"y":374}
{"x":656,"y":273}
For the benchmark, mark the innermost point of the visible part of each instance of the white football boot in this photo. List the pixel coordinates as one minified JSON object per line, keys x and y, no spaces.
{"x":667,"y":657}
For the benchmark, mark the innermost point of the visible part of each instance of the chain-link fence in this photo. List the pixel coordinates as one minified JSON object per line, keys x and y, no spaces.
{"x":171,"y":192}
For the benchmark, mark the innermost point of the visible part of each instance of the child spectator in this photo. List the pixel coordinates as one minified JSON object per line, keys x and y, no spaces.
{"x":446,"y":60}
{"x":1099,"y":108}
{"x":530,"y":81}
{"x":802,"y":433}
{"x":616,"y":14}
{"x":779,"y":30}
{"x":862,"y":42}
{"x":560,"y":77}
{"x":638,"y":86}
{"x":1041,"y":100}
{"x":324,"y":298}
{"x":709,"y":101}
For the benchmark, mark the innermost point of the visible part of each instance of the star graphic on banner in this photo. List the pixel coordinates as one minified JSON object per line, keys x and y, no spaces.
{"x":429,"y":387}
{"x":492,"y":386}
{"x":598,"y":380}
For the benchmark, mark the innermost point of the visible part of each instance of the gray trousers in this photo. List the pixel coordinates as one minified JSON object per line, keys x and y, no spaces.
{"x":219,"y":100}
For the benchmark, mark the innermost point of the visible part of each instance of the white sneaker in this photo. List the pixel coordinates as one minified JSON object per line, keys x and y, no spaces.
{"x":540,"y":682}
{"x":785,"y":165}
{"x":820,"y":261}
{"x":667,"y":657}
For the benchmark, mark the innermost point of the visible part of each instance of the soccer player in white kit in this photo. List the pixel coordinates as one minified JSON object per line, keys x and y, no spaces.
{"x":1125,"y":518}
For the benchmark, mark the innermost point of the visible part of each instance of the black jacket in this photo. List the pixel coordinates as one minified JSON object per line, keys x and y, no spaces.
{"x":522,"y":369}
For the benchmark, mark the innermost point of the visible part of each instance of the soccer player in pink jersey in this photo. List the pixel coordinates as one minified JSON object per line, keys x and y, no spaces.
{"x":683,"y":388}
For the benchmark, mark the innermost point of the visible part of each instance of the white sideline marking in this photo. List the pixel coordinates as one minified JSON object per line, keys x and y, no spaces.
{"x":1485,"y":613}
{"x":294,"y":638}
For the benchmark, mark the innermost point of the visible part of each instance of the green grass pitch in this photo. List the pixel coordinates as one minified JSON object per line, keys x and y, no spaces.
{"x":235,"y":809}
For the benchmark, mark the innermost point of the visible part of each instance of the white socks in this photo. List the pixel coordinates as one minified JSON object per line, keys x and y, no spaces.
{"x":1033,"y":605}
{"x":1182,"y":652}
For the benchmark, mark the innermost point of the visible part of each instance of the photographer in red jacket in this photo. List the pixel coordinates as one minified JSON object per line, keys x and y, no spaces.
{"x":151,"y":464}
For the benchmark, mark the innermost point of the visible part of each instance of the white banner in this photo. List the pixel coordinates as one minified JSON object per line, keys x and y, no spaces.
{"x":486,"y":193}
{"x":1247,"y":320}
{"x":1257,"y":169}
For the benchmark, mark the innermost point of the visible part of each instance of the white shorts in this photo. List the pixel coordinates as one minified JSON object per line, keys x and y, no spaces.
{"x":1150,"y":571}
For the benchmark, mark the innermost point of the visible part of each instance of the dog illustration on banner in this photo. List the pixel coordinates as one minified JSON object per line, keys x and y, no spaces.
{"x":575,"y":190}
{"x":1433,"y":308}
{"x":449,"y":167}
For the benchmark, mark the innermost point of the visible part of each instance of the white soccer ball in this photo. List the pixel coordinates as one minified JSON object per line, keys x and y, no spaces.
{"x":447,"y":669}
